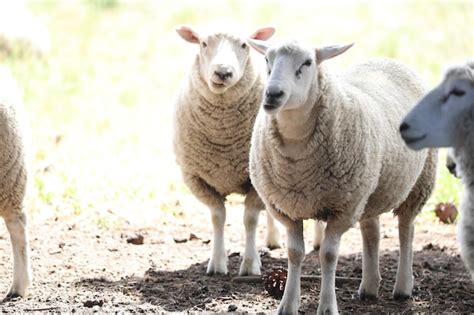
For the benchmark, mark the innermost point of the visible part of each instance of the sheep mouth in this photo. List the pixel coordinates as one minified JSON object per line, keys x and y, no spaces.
{"x":412,"y":140}
{"x":270,"y":107}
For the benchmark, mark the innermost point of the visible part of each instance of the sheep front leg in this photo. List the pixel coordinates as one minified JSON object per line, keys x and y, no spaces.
{"x":404,"y":283}
{"x":218,"y":262}
{"x":369,"y":286}
{"x":251,"y":261}
{"x":291,"y":298}
{"x":328,"y":256}
{"x":16,"y":225}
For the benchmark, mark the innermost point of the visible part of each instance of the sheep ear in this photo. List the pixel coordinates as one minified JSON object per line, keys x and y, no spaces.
{"x":188,"y":34}
{"x":263,"y":33}
{"x":258,"y":45}
{"x":329,"y":52}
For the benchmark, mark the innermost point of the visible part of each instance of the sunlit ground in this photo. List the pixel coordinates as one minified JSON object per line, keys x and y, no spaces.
{"x":100,"y":104}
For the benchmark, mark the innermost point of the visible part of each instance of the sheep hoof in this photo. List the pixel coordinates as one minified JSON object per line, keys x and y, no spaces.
{"x":250,"y":267}
{"x":364,"y":296}
{"x":316,"y":247}
{"x":215,"y":269}
{"x":399,"y":296}
{"x":11,"y":296}
{"x":273,"y":246}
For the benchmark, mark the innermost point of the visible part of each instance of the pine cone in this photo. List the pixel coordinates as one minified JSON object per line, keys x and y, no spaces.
{"x":446,"y":212}
{"x":275,"y":281}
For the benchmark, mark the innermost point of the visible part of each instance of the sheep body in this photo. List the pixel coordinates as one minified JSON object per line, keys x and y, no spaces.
{"x":13,"y":174}
{"x":332,"y":152}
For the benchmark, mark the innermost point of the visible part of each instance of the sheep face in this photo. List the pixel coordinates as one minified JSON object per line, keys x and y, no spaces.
{"x":445,"y":115}
{"x":292,"y":69}
{"x":222,"y":57}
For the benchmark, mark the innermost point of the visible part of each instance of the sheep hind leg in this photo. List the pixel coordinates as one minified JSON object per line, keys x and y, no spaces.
{"x":16,"y":225}
{"x":407,"y":212}
{"x":369,"y":286}
{"x":318,"y":234}
{"x":273,"y":238}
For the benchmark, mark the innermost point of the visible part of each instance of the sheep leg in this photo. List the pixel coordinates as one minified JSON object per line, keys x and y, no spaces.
{"x":328,"y":257}
{"x":370,"y":230}
{"x":318,"y":234}
{"x":16,"y":225}
{"x":407,"y":212}
{"x":218,"y":262}
{"x":273,"y":238}
{"x":251,"y":261}
{"x":291,"y":298}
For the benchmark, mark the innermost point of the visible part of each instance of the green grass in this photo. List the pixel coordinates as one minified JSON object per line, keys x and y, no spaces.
{"x":100,"y":104}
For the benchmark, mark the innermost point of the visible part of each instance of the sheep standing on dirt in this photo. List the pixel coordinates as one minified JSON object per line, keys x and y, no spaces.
{"x":13,"y":178}
{"x":214,"y":117}
{"x":327,"y":147}
{"x":445,"y":118}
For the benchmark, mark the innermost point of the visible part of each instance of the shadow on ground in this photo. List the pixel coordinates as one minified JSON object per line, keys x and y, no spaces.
{"x":441,"y":285}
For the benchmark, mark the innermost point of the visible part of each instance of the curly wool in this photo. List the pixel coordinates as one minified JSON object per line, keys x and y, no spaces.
{"x":13,"y":171}
{"x":213,"y":131}
{"x":350,"y":156}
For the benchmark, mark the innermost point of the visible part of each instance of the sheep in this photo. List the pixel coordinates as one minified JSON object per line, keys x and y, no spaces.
{"x":445,"y":118}
{"x":327,"y":147}
{"x":214,"y":115}
{"x":13,"y":179}
{"x":21,"y":31}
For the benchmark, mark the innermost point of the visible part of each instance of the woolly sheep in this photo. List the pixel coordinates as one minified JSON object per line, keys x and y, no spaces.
{"x":327,"y":147}
{"x":19,"y":28}
{"x":445,"y":118}
{"x":214,"y":116}
{"x":13,"y":179}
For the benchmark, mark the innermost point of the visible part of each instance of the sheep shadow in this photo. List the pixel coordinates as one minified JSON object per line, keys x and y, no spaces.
{"x":441,"y":284}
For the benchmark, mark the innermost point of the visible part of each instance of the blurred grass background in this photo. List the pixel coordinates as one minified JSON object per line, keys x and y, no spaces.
{"x":100,"y":103}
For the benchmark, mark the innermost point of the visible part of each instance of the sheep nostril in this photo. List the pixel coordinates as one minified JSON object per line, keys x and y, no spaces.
{"x":223,"y":75}
{"x":404,"y":126}
{"x":275,"y":94}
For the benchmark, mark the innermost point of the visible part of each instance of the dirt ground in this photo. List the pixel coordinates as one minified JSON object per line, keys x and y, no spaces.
{"x":80,"y":267}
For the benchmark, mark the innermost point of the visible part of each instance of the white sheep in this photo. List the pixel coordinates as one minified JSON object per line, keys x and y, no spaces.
{"x":445,"y":118}
{"x":327,"y":147}
{"x":214,"y":116}
{"x":13,"y":179}
{"x":21,"y":29}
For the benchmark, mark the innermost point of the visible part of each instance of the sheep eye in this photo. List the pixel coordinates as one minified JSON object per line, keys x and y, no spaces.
{"x":307,"y":63}
{"x":266,"y":59}
{"x":244,"y":45}
{"x":204,"y":44}
{"x":457,"y":92}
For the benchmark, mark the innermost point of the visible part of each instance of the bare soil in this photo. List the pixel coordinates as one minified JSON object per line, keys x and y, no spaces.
{"x":80,"y":267}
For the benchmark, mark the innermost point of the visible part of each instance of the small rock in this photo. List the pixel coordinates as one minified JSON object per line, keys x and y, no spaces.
{"x":135,"y":239}
{"x":193,"y":237}
{"x":234,"y":254}
{"x":232,"y":308}
{"x":180,"y":240}
{"x":90,"y":303}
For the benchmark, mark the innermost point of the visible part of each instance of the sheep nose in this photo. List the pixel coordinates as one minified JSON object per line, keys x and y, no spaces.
{"x":224,"y":74}
{"x":404,"y":126}
{"x":274,"y":94}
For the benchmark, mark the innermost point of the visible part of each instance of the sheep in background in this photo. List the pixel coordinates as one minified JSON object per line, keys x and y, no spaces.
{"x":451,"y":163}
{"x":21,"y":31}
{"x":13,"y":179}
{"x":214,"y":116}
{"x":445,"y":118}
{"x":328,"y":147}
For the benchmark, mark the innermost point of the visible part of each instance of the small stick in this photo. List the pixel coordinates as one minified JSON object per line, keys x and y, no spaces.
{"x":41,"y":309}
{"x":257,"y":279}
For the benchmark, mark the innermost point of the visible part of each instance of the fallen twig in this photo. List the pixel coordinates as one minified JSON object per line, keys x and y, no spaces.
{"x":257,"y":279}
{"x":42,"y":309}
